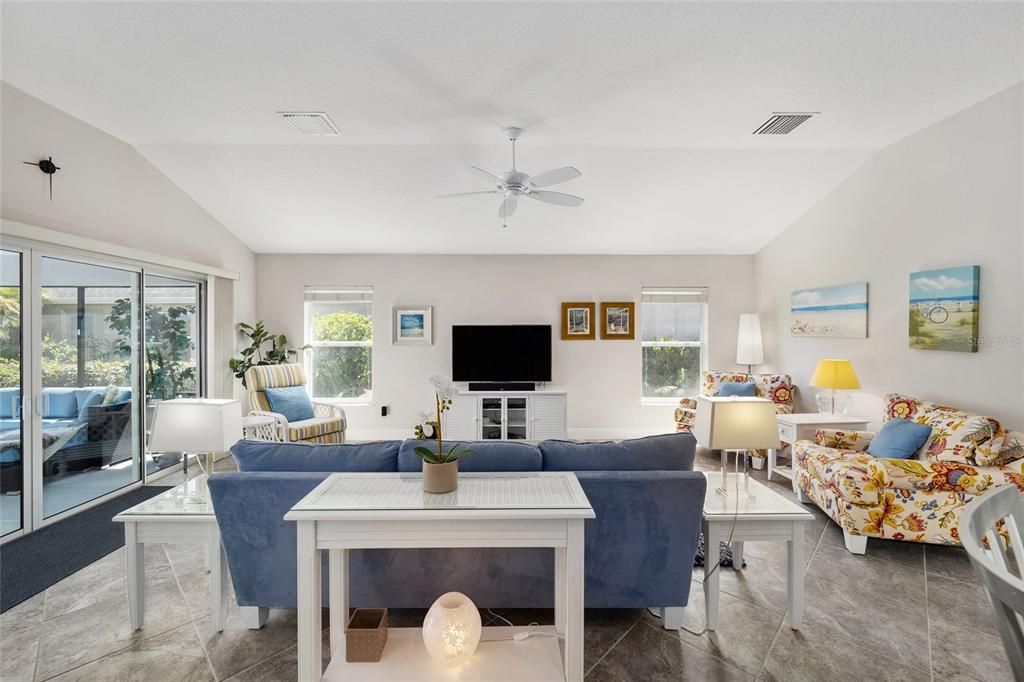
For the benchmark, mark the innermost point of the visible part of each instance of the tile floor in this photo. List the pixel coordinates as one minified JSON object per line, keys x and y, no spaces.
{"x":902,"y":612}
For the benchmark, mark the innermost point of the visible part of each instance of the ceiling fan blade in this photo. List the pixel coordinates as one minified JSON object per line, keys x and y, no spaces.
{"x":508,"y":206}
{"x":490,"y":176}
{"x":558,"y":198}
{"x":466,"y":194}
{"x":553,"y":177}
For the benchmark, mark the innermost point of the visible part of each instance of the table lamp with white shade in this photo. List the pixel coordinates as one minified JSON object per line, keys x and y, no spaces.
{"x":203,"y":426}
{"x":749,"y":348}
{"x":735,"y":423}
{"x":834,"y":375}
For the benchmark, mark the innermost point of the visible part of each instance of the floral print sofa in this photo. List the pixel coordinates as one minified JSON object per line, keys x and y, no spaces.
{"x":916,"y":500}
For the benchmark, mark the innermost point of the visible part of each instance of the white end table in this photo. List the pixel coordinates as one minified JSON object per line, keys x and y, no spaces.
{"x":167,"y":518}
{"x":390,"y":510}
{"x":262,"y":427}
{"x":803,"y":426}
{"x":762,"y":516}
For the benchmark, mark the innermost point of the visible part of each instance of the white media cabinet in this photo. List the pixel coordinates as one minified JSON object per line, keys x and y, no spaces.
{"x":506,"y":415}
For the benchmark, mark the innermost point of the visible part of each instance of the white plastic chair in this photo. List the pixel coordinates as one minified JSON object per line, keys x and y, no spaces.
{"x":1000,"y":577}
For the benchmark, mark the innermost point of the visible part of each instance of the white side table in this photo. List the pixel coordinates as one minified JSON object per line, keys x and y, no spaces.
{"x":166,"y":518}
{"x":762,"y":516}
{"x":259,"y":427}
{"x":390,"y":510}
{"x":803,"y":426}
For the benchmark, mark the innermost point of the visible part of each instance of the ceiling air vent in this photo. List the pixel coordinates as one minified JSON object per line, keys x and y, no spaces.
{"x":310,"y":122}
{"x":783,"y":123}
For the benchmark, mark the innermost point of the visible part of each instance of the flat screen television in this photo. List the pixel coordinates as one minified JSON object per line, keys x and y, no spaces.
{"x":501,"y":352}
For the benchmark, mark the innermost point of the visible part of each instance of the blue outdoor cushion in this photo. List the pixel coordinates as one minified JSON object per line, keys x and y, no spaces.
{"x":257,"y":455}
{"x":60,"y":403}
{"x":665,"y":452}
{"x":899,"y":439}
{"x":291,"y":401}
{"x":746,"y":389}
{"x":487,"y":455}
{"x":9,"y":399}
{"x":87,"y":398}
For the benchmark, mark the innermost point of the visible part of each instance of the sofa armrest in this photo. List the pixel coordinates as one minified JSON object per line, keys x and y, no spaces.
{"x":848,"y":472}
{"x":323,"y":408}
{"x":280,"y":423}
{"x":854,"y":441}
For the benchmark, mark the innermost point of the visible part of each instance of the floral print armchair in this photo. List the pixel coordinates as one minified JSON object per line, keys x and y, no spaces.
{"x":917,"y":500}
{"x":776,"y":387}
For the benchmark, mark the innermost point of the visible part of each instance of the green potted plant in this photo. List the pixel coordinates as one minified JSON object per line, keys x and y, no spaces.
{"x":257,"y":334}
{"x":440,"y":468}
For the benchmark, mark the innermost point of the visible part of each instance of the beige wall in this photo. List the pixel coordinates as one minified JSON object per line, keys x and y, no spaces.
{"x":948,"y":195}
{"x":107,"y":191}
{"x":602,"y":377}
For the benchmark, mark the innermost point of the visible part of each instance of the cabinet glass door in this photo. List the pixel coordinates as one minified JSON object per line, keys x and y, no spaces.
{"x":515,"y":418}
{"x":11,"y":390}
{"x":491,"y":418}
{"x":89,"y":404}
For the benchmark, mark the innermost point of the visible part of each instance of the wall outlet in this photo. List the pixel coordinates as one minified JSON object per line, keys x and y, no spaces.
{"x":384,"y":410}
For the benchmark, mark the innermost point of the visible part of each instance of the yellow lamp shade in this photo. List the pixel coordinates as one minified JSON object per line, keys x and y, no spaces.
{"x":835,"y":374}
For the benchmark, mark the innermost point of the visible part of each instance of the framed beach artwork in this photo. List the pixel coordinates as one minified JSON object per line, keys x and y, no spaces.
{"x":411,"y":325}
{"x":577,"y":321}
{"x":617,"y":320}
{"x":944,"y":309}
{"x":839,"y":312}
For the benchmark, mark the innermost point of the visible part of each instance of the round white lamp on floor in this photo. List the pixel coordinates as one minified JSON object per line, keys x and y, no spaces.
{"x":451,"y":630}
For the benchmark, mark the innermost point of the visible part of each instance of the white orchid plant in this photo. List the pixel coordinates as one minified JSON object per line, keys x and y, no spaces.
{"x":444,"y":392}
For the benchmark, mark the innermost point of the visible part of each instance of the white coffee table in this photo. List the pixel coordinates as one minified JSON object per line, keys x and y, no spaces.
{"x":803,"y":426}
{"x":167,"y":518}
{"x":763,"y":516}
{"x":385,"y":510}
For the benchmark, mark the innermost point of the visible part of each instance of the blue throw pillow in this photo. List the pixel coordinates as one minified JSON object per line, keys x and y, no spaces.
{"x":10,"y":403}
{"x":87,"y":399}
{"x":60,"y":403}
{"x":292,"y":402}
{"x":899,"y":439}
{"x":744,"y":389}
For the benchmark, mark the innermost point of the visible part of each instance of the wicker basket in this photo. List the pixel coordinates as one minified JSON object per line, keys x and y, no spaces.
{"x":366,"y":635}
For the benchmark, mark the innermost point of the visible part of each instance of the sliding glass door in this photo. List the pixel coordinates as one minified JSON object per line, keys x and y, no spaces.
{"x":89,"y":405}
{"x":173,"y":360}
{"x":11,"y":377}
{"x":88,"y":347}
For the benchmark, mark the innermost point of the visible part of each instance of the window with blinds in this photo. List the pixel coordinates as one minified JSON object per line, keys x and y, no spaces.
{"x":339,"y":332}
{"x":673,"y":337}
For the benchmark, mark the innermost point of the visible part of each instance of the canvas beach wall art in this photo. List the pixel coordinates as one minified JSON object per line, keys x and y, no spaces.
{"x":412,"y":325}
{"x":838,"y":311}
{"x":944,"y":309}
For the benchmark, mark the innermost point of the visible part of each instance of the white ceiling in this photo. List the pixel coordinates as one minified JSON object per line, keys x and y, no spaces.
{"x":655,"y":103}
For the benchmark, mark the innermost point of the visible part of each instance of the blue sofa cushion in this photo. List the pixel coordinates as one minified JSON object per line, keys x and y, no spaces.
{"x":665,"y":452}
{"x":60,"y":403}
{"x":9,"y":399}
{"x":87,"y":398}
{"x":487,"y":455}
{"x":899,"y":439}
{"x":256,"y":455}
{"x":746,"y":389}
{"x":292,"y":402}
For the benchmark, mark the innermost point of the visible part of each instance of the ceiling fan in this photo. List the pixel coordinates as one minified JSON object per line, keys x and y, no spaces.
{"x":514,"y":184}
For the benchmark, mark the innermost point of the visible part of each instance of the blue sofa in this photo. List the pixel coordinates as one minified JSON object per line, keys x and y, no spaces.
{"x":639,"y":548}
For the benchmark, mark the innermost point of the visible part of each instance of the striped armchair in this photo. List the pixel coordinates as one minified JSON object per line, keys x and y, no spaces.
{"x":328,"y":423}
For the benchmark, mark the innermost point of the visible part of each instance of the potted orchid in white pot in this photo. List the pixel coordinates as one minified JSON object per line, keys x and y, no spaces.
{"x":440,"y":468}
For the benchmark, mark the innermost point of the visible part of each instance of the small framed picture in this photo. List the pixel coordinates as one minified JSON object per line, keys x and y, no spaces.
{"x":411,"y":325}
{"x":577,"y":321}
{"x":617,"y":320}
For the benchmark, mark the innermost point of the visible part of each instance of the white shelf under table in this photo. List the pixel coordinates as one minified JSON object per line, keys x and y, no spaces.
{"x":405,"y":659}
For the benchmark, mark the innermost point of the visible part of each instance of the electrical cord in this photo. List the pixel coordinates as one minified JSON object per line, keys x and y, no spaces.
{"x":717,"y":551}
{"x":519,"y":636}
